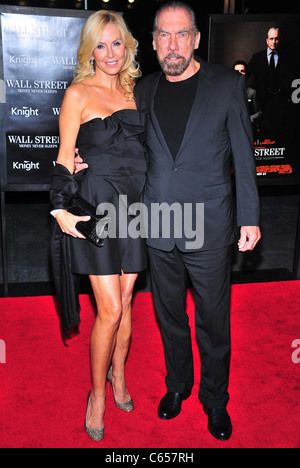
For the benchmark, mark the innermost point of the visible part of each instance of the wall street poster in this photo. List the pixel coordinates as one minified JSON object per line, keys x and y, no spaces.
{"x":273,"y":93}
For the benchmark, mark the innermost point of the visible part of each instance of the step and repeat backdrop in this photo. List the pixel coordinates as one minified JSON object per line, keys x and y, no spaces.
{"x":245,"y":43}
{"x":39,"y":53}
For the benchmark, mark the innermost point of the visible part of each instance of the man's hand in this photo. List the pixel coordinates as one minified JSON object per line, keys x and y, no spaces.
{"x":250,"y":235}
{"x":79,"y":164}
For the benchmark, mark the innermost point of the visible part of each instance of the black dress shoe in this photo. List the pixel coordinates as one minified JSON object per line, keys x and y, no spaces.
{"x":219,"y":423}
{"x":170,"y":405}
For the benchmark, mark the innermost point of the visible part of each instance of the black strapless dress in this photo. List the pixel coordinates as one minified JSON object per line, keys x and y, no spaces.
{"x":113,"y":149}
{"x":115,"y":152}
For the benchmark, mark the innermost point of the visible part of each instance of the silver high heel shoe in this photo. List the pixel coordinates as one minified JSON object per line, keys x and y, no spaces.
{"x":126,"y":406}
{"x":95,"y":434}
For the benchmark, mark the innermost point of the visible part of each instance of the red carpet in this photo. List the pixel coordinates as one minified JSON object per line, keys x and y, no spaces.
{"x":44,"y":384}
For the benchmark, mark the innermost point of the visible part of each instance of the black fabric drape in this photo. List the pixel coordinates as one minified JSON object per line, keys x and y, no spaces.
{"x":64,"y":186}
{"x":66,"y":284}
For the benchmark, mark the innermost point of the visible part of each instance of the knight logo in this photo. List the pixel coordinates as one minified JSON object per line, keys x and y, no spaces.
{"x":26,"y":166}
{"x":22,"y":60}
{"x":24,"y":112}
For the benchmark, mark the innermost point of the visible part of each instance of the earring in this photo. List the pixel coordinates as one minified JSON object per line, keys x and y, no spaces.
{"x":93,"y":68}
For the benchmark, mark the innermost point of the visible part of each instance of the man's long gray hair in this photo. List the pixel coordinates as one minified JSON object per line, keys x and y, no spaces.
{"x":176,"y":5}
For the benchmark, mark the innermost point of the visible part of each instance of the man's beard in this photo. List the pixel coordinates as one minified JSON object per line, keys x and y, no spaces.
{"x":177,"y":68}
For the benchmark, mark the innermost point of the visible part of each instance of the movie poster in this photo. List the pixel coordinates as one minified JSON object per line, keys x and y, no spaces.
{"x":266,"y":51}
{"x":39,"y":56}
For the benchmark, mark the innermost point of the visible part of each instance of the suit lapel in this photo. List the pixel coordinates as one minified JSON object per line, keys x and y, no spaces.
{"x":154,"y":120}
{"x":201,"y":100}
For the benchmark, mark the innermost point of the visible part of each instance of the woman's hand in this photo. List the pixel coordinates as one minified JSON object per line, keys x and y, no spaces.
{"x":67,"y":223}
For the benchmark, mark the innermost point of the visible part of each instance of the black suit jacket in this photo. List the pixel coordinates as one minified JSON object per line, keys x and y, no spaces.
{"x":218,"y":129}
{"x":258,"y":68}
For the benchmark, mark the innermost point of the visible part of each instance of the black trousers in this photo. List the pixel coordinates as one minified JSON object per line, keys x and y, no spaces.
{"x":209,"y":272}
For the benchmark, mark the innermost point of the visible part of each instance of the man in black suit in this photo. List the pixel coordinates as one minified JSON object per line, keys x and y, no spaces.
{"x":254,"y":110}
{"x":272,"y":72}
{"x":198,"y":121}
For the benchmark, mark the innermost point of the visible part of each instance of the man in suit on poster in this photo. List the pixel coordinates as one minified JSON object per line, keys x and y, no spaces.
{"x":197,"y":120}
{"x":265,"y":65}
{"x":272,"y":70}
{"x":254,"y":110}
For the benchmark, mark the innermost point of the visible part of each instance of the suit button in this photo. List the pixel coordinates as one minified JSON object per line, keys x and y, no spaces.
{"x":175,"y":170}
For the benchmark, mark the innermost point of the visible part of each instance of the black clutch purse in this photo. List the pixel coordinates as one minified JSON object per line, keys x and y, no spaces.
{"x":94,"y":230}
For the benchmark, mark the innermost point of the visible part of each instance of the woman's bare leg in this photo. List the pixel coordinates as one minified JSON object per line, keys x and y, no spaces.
{"x":123,"y":338}
{"x":107,"y":291}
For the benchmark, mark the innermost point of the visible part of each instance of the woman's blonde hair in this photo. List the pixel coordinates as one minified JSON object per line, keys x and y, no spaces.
{"x":89,"y":40}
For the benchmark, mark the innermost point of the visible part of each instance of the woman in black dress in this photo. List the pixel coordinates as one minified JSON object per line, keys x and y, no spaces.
{"x":99,"y":116}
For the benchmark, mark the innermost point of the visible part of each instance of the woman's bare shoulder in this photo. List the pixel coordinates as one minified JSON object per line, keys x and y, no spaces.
{"x":76,"y":91}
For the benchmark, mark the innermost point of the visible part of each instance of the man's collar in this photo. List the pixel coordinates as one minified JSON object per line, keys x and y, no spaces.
{"x":270,"y":51}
